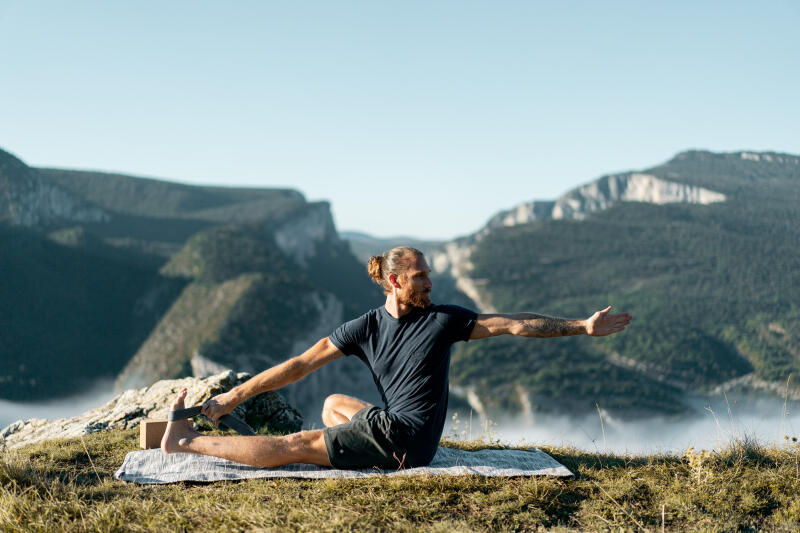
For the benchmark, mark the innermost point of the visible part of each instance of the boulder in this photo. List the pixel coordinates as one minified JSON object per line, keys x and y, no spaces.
{"x":268,"y":411}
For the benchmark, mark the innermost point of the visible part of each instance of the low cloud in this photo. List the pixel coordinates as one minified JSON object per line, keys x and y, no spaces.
{"x":98,"y":395}
{"x":714,"y":424}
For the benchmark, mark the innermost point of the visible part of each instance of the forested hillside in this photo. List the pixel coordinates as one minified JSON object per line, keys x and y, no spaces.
{"x":106,"y":274}
{"x":712,"y":289}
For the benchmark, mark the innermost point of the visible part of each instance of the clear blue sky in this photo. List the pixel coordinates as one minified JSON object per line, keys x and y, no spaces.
{"x":416,"y":118}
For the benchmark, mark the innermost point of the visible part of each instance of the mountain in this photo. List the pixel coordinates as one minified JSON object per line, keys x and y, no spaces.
{"x":702,"y":251}
{"x":258,"y":294}
{"x":74,"y":307}
{"x":113,"y":276}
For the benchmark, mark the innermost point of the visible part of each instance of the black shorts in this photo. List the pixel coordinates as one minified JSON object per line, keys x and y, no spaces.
{"x":369,"y":440}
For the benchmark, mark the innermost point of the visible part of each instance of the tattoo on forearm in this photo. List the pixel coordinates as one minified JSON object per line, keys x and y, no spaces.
{"x":547,"y":326}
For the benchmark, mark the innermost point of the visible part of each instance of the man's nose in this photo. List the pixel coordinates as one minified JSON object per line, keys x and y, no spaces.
{"x":428,"y":284}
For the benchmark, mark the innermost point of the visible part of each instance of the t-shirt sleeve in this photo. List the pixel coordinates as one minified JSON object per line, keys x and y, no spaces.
{"x":349,"y":336}
{"x":458,"y":321}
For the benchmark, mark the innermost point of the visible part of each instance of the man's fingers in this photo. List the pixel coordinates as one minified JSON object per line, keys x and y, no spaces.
{"x":605,"y":324}
{"x":622,"y":318}
{"x":610,"y":331}
{"x":206,"y":410}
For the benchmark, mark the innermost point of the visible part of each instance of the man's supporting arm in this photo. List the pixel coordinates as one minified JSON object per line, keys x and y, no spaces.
{"x":273,"y":378}
{"x":533,"y":325}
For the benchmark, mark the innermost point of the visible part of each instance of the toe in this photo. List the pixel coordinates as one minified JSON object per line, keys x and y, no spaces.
{"x":178,"y":403}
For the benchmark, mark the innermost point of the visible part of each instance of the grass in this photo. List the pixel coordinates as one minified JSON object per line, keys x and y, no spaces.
{"x":69,"y":485}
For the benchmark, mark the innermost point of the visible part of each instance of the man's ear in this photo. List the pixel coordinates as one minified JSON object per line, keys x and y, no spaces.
{"x":393,"y":280}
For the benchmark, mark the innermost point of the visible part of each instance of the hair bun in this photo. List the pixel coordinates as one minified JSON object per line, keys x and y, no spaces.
{"x":375,"y":268}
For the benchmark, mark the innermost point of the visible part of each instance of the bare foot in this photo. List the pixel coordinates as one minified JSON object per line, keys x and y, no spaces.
{"x":179,"y":431}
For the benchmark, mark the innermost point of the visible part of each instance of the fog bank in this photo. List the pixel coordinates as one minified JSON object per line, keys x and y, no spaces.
{"x":711,"y":427}
{"x":714,"y":424}
{"x":97,"y":396}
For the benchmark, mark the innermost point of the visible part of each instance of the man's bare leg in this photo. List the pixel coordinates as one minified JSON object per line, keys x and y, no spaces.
{"x":304,"y":447}
{"x":339,"y":409}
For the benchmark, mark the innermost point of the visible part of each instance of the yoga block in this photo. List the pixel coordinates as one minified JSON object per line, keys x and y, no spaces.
{"x":150,"y":433}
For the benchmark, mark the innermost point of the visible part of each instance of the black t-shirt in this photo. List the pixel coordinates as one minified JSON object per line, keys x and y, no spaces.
{"x":410,"y":358}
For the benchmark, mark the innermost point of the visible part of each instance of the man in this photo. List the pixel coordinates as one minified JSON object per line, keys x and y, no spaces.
{"x":406,"y":343}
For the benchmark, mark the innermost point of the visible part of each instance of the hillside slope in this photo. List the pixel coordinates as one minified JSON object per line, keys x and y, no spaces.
{"x":74,"y":308}
{"x":109,"y":274}
{"x":708,"y":274}
{"x":259,"y":294}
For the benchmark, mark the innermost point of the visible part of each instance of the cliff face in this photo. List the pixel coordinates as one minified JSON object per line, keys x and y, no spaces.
{"x":604,"y":193}
{"x":300,"y":235}
{"x":28,"y":200}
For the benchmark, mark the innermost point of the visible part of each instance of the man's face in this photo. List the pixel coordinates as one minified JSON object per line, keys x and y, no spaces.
{"x":415,"y":287}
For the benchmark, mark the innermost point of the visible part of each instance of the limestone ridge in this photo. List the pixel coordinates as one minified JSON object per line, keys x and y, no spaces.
{"x":260,"y":293}
{"x":128,"y":409}
{"x":602,"y":194}
{"x":28,"y":200}
{"x":300,"y":234}
{"x":453,"y":258}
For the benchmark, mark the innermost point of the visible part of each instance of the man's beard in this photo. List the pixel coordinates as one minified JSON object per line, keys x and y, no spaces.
{"x":421,"y":299}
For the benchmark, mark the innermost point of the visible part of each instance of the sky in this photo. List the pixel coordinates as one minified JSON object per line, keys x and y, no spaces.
{"x":416,"y":118}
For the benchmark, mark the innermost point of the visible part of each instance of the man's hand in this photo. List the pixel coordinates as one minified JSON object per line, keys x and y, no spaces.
{"x":219,"y":406}
{"x":601,"y":323}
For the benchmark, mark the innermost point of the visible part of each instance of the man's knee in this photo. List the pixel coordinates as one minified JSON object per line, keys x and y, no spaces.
{"x":333,"y":401}
{"x":340,"y":408}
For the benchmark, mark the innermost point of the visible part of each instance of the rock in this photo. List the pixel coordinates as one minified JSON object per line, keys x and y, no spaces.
{"x":602,"y":194}
{"x":300,"y":235}
{"x":453,"y":258}
{"x":268,"y":410}
{"x":28,"y":200}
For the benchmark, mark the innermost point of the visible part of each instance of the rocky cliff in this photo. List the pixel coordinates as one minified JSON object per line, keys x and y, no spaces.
{"x":259,"y":294}
{"x":604,"y":193}
{"x":26,"y":199}
{"x":268,"y":412}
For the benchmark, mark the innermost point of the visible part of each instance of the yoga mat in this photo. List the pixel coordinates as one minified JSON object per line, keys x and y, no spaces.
{"x":154,"y":466}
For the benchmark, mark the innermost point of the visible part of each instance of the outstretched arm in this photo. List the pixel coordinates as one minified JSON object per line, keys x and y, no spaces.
{"x":532,"y":325}
{"x":273,"y":378}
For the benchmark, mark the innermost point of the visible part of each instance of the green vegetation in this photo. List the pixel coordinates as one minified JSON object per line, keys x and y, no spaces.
{"x":712,"y":290}
{"x":247,"y":302}
{"x":72,"y":314}
{"x":68,"y":485}
{"x":771,"y":345}
{"x":167,"y":200}
{"x":564,"y":375}
{"x":172,"y":270}
{"x":225,"y":252}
